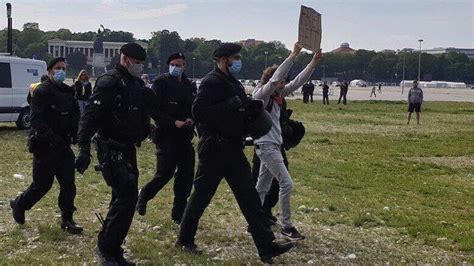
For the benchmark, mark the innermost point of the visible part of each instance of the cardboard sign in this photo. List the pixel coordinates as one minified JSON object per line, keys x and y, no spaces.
{"x":310,"y":29}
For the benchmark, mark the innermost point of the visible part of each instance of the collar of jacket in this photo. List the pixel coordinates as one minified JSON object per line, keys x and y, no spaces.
{"x":60,"y":86}
{"x":124,"y":72}
{"x":230,"y":76}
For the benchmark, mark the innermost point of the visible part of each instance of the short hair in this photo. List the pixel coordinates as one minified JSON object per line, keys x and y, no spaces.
{"x":268,"y":74}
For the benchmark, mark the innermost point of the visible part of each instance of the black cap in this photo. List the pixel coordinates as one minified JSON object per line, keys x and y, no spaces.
{"x":227,"y":49}
{"x":175,"y":56}
{"x":134,"y":50}
{"x":54,"y":61}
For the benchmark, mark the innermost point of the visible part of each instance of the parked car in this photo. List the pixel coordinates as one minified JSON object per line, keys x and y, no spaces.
{"x":16,"y":75}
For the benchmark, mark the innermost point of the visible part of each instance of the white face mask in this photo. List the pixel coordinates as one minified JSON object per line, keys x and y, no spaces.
{"x":135,"y":70}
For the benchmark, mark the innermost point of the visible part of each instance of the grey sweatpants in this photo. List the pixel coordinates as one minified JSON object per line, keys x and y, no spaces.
{"x":272,"y":165}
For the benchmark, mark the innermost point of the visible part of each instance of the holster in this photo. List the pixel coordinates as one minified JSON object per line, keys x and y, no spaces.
{"x":115,"y":170}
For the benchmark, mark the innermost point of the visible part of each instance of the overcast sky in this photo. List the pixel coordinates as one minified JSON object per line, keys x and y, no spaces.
{"x":369,"y":24}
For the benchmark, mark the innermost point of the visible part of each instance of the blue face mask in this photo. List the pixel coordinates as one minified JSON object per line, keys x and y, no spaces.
{"x":175,"y":71}
{"x":235,"y":67}
{"x":59,"y":75}
{"x":85,"y":83}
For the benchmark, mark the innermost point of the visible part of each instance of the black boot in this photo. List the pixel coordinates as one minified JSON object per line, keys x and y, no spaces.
{"x":105,"y":260}
{"x":188,"y":247}
{"x":17,"y":211}
{"x":70,"y":226}
{"x":274,"y":250}
{"x":141,"y":205}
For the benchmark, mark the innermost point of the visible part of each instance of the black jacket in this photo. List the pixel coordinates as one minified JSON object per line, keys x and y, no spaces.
{"x":119,"y":108}
{"x":325,"y":89}
{"x":54,"y":112}
{"x":87,"y":91}
{"x":174,"y":101}
{"x":211,"y":111}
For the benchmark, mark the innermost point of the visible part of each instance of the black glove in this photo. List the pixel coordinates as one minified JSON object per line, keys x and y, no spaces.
{"x":234,"y":103}
{"x":83,"y":160}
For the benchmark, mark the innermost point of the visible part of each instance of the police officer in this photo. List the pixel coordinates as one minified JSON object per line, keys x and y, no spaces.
{"x":219,"y":110}
{"x":173,"y":134}
{"x":54,"y":122}
{"x":118,"y":111}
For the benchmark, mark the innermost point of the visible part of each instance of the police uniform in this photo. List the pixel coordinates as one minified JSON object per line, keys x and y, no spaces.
{"x":174,"y":150}
{"x":222,"y":128}
{"x":118,"y":111}
{"x":54,"y":122}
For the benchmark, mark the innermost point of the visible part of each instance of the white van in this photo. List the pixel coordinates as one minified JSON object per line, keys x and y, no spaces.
{"x":16,"y":75}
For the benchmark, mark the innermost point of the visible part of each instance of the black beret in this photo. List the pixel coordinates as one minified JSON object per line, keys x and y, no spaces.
{"x":134,"y":50}
{"x":54,"y":61}
{"x":227,"y":49}
{"x":175,"y":56}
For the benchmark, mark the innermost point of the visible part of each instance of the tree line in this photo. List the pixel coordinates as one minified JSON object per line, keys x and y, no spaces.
{"x":364,"y":64}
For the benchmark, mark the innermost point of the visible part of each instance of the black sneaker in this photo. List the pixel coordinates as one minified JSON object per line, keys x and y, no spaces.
{"x":106,"y":260}
{"x":17,"y":211}
{"x":71,"y":227}
{"x":121,"y":261}
{"x":275,"y":249}
{"x":190,"y":248}
{"x":292,"y":234}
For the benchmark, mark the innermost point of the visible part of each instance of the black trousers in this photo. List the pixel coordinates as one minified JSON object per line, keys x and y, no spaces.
{"x":342,"y":96}
{"x":173,"y":159}
{"x":46,"y":166}
{"x":271,"y":199}
{"x":311,"y":96}
{"x":325,"y":99}
{"x":122,"y":177}
{"x":305,"y":97}
{"x":232,"y":165}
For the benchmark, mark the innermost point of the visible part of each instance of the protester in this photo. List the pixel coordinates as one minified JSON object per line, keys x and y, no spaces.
{"x":415,"y":99}
{"x":311,"y":91}
{"x":268,"y":148}
{"x":172,"y":136}
{"x":54,"y":121}
{"x":118,"y":111}
{"x":225,"y":115}
{"x":380,"y":87}
{"x":83,"y":89}
{"x":325,"y":93}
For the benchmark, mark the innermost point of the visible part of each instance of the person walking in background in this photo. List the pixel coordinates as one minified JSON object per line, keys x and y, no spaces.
{"x":311,"y":91}
{"x":306,"y":91}
{"x":343,"y":92}
{"x":415,"y":99}
{"x":380,"y":87}
{"x":146,"y":80}
{"x":373,"y":92}
{"x":83,"y":89}
{"x":325,"y":93}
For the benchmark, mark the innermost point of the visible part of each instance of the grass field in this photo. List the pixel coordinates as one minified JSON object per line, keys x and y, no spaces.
{"x":367,"y":189}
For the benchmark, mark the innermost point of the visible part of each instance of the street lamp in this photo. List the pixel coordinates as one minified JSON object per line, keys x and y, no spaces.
{"x":266,"y":56}
{"x":419,"y":61}
{"x":10,"y":30}
{"x":194,"y":60}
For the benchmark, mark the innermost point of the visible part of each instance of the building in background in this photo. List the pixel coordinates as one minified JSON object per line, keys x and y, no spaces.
{"x":344,"y":49}
{"x":438,"y":51}
{"x":58,"y":47}
{"x":250,"y":43}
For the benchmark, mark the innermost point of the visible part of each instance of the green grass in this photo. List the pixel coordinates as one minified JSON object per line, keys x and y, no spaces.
{"x":365,"y":183}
